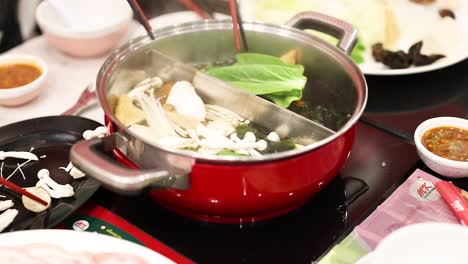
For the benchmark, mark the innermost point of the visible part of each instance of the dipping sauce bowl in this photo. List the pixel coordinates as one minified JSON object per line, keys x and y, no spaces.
{"x":444,"y":166}
{"x":22,"y":78}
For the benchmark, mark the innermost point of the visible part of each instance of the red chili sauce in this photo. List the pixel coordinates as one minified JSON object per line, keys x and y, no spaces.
{"x":447,"y":142}
{"x":16,"y":75}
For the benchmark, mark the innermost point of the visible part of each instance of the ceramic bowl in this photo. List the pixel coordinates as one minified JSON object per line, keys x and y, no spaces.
{"x":102,"y":24}
{"x":428,"y":243}
{"x":23,"y":94}
{"x":443,"y":166}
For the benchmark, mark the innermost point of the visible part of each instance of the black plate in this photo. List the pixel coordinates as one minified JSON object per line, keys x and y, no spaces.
{"x":53,"y":137}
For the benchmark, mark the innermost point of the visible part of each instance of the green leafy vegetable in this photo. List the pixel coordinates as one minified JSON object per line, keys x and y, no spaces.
{"x":257,"y":58}
{"x":262,"y":79}
{"x":285,"y":98}
{"x":229,"y":153}
{"x":264,"y":75}
{"x":281,"y":146}
{"x":358,"y":52}
{"x":243,"y":128}
{"x":359,"y":49}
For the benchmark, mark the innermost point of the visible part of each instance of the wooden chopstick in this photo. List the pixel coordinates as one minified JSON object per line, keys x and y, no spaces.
{"x":235,"y":23}
{"x":195,"y":8}
{"x":241,"y":26}
{"x":21,"y":191}
{"x":141,"y":17}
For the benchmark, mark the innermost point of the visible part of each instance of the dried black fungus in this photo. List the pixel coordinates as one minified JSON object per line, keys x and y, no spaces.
{"x":446,"y":13}
{"x":378,"y":52}
{"x":401,"y":59}
{"x":415,"y":49}
{"x":397,"y":60}
{"x":423,"y":60}
{"x":419,"y":59}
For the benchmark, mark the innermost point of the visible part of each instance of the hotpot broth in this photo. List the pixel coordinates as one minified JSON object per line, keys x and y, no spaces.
{"x":328,"y":86}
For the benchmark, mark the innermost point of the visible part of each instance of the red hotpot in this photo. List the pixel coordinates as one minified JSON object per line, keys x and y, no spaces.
{"x":230,"y":189}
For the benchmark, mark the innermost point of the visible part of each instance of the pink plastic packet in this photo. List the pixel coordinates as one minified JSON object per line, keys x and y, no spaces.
{"x":415,"y":201}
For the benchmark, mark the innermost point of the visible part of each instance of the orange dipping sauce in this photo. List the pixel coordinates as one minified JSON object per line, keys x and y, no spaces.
{"x":447,"y":142}
{"x":18,"y":74}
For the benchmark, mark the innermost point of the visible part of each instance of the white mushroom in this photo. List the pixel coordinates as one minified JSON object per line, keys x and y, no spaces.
{"x":174,"y":142}
{"x":18,"y":155}
{"x":216,"y":112}
{"x":7,"y":217}
{"x":221,"y":127}
{"x":54,"y":189}
{"x":249,"y":137}
{"x":211,"y":151}
{"x":68,"y":168}
{"x":76,"y":173}
{"x":254,"y":153}
{"x":99,"y":132}
{"x":156,"y":117}
{"x":73,"y":171}
{"x":144,"y":132}
{"x":273,"y":137}
{"x":6,"y":204}
{"x":34,"y":206}
{"x":144,"y":85}
{"x":186,"y":101}
{"x":218,"y":143}
{"x":261,"y":145}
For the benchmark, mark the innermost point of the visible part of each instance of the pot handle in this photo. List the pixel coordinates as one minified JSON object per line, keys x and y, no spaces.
{"x":343,"y":31}
{"x":89,"y":156}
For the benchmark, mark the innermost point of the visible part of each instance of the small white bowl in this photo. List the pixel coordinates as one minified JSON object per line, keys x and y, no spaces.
{"x":23,"y":94}
{"x":443,"y":166}
{"x":101,"y":25}
{"x":429,"y":243}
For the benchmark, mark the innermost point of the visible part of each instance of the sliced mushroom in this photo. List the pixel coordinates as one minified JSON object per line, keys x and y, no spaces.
{"x":54,"y":189}
{"x":34,"y":206}
{"x":7,"y":217}
{"x":6,"y":205}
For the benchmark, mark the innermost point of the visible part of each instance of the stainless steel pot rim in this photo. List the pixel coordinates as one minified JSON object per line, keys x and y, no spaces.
{"x":136,"y":43}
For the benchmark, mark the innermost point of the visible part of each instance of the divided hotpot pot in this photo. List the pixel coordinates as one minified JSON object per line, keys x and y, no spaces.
{"x":229,"y":189}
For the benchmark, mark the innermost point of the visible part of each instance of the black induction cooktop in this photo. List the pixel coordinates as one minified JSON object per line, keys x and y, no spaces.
{"x":378,"y":163}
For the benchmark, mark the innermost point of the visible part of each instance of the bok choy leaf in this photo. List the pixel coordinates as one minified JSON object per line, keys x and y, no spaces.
{"x":264,"y":75}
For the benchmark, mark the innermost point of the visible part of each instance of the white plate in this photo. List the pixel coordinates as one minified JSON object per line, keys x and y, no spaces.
{"x":371,"y":67}
{"x":76,"y":241}
{"x":375,"y":68}
{"x":429,"y":243}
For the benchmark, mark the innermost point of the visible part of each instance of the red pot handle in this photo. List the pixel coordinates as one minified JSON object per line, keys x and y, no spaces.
{"x":343,"y":31}
{"x":90,"y":157}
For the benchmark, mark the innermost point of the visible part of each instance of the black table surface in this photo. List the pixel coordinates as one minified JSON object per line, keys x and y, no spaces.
{"x":383,"y":156}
